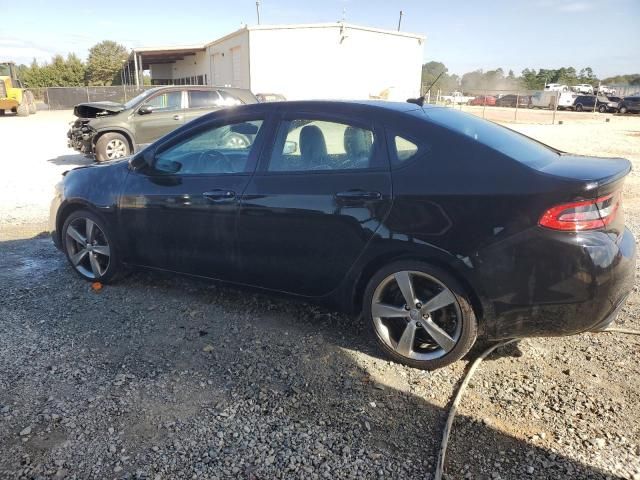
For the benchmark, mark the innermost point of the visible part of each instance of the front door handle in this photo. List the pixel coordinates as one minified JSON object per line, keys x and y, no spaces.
{"x":220,"y":194}
{"x":177,"y":117}
{"x":354,"y":195}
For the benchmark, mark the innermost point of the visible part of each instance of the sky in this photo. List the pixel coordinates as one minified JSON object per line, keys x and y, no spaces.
{"x":465,"y":35}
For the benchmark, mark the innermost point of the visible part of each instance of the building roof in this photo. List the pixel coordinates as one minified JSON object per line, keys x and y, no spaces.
{"x":169,"y":54}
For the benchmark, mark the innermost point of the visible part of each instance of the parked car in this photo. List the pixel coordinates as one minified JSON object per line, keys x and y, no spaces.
{"x":556,"y":87}
{"x":456,"y":98}
{"x":604,"y":90}
{"x":630,"y":104}
{"x":114,"y":130}
{"x":614,"y":103}
{"x":270,"y":97}
{"x":523,"y":101}
{"x":583,"y":88}
{"x":483,"y":100}
{"x":587,"y":102}
{"x":333,"y":202}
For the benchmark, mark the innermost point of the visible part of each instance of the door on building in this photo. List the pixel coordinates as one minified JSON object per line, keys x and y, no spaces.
{"x":235,"y":67}
{"x":159,"y":115}
{"x":216,"y":69}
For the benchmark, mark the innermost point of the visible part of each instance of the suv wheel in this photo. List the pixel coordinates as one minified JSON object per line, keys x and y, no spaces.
{"x":602,"y":109}
{"x":419,"y":314}
{"x":112,"y":146}
{"x":578,"y":107}
{"x":623,"y":110}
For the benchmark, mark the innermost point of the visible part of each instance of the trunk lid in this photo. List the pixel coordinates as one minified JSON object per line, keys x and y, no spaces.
{"x":97,"y":109}
{"x":598,"y":175}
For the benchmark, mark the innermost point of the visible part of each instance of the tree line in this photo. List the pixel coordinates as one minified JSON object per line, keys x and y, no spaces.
{"x":529,"y":79}
{"x":102,"y":68}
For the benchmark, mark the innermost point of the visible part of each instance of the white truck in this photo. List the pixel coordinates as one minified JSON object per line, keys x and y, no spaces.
{"x":456,"y":98}
{"x":548,"y":99}
{"x":585,"y":88}
{"x":556,"y":87}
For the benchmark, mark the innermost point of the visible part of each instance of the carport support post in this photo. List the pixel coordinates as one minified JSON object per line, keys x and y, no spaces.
{"x":135,"y":67}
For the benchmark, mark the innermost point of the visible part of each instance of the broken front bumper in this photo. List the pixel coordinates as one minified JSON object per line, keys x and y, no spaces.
{"x":80,"y":136}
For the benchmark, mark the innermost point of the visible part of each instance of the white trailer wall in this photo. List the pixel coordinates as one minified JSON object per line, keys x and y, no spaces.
{"x":334,"y":62}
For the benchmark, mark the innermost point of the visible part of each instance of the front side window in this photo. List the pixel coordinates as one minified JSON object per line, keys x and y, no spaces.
{"x":166,"y":101}
{"x":307,"y":145}
{"x":217,"y":150}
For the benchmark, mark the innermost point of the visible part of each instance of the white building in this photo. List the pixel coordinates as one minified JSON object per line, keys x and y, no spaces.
{"x":327,"y":60}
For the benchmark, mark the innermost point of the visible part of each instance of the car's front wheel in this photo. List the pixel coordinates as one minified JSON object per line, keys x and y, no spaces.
{"x":623,"y":110}
{"x":111,"y":146}
{"x":602,"y":109}
{"x":89,"y":246}
{"x":578,"y":108}
{"x":420,"y":315}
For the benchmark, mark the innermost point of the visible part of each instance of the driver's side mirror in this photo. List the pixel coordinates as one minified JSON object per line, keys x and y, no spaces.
{"x":145,"y":110}
{"x":290,"y":147}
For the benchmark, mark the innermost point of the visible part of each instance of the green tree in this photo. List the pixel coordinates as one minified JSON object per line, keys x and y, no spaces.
{"x":105,"y":62}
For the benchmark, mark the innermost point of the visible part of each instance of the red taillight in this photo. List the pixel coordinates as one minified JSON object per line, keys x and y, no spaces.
{"x":585,"y":215}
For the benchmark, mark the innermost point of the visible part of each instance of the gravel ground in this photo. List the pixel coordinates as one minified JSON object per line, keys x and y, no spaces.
{"x":166,"y":377}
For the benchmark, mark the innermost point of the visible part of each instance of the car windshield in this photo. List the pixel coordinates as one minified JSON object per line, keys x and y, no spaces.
{"x":506,"y":141}
{"x":138,"y":98}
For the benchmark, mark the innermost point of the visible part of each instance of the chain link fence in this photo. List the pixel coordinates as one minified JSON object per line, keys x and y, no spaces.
{"x":61,"y":98}
{"x":529,"y":106}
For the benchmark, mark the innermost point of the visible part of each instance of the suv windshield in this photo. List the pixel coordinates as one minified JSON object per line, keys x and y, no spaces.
{"x":506,"y":141}
{"x":138,"y":98}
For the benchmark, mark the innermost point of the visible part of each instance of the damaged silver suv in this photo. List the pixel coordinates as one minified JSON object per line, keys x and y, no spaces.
{"x":113,"y":130}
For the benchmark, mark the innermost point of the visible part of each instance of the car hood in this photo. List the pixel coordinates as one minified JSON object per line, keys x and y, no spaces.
{"x":97,"y":109}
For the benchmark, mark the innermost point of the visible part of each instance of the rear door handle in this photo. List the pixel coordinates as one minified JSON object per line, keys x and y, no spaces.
{"x":352,"y":195}
{"x":177,"y":117}
{"x":220,"y":194}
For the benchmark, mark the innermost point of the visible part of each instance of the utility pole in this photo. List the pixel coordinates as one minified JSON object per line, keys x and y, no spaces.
{"x":258,"y":10}
{"x":400,"y":20}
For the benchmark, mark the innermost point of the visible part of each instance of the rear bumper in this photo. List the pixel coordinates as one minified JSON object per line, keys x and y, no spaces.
{"x":551,"y":283}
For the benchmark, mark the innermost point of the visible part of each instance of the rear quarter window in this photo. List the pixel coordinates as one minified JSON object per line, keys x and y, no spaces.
{"x":504,"y":140}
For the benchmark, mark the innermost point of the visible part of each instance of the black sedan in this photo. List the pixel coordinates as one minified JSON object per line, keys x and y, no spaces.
{"x":436,"y":225}
{"x":522,"y":101}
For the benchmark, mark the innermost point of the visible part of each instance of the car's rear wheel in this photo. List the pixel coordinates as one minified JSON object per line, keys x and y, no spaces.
{"x":602,"y":109}
{"x":89,"y":246}
{"x":111,"y":146}
{"x":23,"y":109}
{"x":420,"y":315}
{"x":578,"y":107}
{"x":623,"y":110}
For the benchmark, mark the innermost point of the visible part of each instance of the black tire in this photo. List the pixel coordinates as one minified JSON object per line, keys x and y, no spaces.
{"x":578,"y":107}
{"x":469,"y":328}
{"x":23,"y":109}
{"x":623,"y":110}
{"x":111,"y":267}
{"x":602,"y":109}
{"x":108,"y":143}
{"x":1,"y":113}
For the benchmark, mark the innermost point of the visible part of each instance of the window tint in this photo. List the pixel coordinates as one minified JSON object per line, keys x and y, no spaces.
{"x":305,"y":144}
{"x":166,"y":101}
{"x":203,"y":98}
{"x":405,"y":149}
{"x":504,"y":140}
{"x":228,"y":99}
{"x":218,"y":150}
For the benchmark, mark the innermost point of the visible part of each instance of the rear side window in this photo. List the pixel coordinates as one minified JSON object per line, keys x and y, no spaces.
{"x":405,"y":149}
{"x":203,"y":98}
{"x":506,"y":141}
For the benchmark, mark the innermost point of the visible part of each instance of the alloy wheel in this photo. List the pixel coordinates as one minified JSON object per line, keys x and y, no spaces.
{"x":87,"y":247}
{"x":116,"y":148}
{"x":416,"y":315}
